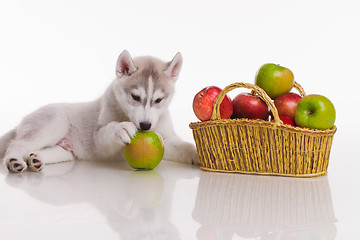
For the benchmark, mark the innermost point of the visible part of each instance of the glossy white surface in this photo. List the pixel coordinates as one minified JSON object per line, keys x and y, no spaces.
{"x":92,"y":200}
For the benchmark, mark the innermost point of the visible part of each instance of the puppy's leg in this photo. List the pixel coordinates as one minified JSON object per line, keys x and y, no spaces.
{"x":54,"y":154}
{"x":110,"y":138}
{"x":41,"y":129}
{"x":175,"y":148}
{"x":179,"y":151}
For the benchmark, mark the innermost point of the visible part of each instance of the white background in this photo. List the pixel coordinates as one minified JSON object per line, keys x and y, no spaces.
{"x":65,"y":51}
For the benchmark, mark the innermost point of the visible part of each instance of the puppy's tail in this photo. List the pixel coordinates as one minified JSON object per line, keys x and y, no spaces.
{"x":5,"y":141}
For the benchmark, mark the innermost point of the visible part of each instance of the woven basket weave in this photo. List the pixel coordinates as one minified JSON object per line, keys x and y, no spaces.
{"x":258,"y":146}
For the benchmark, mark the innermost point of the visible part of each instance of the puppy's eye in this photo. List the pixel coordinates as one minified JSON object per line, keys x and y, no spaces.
{"x":136,"y":97}
{"x":158,"y":100}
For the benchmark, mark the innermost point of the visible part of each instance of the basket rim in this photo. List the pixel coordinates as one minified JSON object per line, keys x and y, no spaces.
{"x":245,"y":121}
{"x":299,"y":175}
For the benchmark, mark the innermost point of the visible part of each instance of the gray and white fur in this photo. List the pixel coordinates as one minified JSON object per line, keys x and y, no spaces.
{"x":137,"y":99}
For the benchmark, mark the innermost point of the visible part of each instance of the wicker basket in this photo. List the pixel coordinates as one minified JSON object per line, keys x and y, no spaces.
{"x":258,"y":146}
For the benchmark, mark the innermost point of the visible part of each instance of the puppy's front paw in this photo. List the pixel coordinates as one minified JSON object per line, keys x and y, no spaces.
{"x":183,"y":152}
{"x":191,"y":154}
{"x":124,"y":132}
{"x":15,"y":165}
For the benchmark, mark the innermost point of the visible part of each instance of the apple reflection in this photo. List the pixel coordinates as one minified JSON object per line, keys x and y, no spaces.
{"x":263,"y":207}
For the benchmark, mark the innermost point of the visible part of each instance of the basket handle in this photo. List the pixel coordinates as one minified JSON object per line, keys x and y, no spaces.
{"x":259,"y":91}
{"x":299,"y":88}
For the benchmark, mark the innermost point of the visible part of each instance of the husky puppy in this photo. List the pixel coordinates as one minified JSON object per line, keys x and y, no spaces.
{"x":137,"y":99}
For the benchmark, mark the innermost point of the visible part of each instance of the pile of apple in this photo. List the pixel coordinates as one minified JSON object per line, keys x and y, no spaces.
{"x":312,"y":111}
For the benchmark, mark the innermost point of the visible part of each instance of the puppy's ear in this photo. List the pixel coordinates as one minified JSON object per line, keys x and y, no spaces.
{"x":125,"y":65}
{"x":174,"y":67}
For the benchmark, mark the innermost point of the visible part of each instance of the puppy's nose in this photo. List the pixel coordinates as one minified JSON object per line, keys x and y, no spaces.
{"x":145,"y":125}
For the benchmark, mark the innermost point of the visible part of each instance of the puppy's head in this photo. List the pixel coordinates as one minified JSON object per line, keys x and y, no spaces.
{"x":145,"y":86}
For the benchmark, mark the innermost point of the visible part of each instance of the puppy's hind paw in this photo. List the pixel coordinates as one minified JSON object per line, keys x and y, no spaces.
{"x":15,"y":166}
{"x":34,"y":163}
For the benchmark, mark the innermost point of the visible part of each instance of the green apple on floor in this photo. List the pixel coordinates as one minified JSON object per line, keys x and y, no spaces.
{"x":145,"y":151}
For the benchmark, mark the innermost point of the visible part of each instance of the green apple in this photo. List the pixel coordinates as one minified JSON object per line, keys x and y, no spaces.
{"x":316,"y":112}
{"x":145,"y":151}
{"x":274,"y":79}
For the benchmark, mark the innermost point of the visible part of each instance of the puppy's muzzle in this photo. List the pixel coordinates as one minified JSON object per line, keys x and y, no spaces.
{"x":145,"y":126}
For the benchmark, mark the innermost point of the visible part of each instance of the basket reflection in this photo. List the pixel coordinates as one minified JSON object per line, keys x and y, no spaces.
{"x":263,"y":207}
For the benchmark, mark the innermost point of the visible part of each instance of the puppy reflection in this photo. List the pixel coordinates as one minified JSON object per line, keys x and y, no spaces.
{"x":136,"y":204}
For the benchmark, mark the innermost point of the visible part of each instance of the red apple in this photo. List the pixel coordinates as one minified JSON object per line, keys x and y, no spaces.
{"x":286,"y":104}
{"x":287,"y":120}
{"x":249,"y":106}
{"x":203,"y":104}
